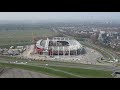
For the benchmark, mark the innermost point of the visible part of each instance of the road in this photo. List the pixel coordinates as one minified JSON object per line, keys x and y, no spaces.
{"x":112,"y":56}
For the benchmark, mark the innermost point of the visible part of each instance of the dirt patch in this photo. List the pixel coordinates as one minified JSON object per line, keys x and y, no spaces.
{"x":19,"y":73}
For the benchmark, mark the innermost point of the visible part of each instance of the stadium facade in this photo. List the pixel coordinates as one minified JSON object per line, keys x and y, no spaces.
{"x":58,"y":46}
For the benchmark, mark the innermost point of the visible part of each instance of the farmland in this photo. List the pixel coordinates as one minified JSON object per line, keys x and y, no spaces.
{"x":13,"y":37}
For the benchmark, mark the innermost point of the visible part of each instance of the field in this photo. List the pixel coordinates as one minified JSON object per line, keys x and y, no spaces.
{"x":59,"y":69}
{"x":63,"y":71}
{"x":89,"y":73}
{"x":18,"y":37}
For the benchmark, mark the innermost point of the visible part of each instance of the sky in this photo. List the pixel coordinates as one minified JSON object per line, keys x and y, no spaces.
{"x":59,"y":15}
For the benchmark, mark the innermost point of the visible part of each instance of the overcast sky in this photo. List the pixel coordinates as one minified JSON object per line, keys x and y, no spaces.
{"x":59,"y":15}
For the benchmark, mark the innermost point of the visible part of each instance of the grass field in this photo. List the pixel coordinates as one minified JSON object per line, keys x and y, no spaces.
{"x":18,"y":37}
{"x":38,"y":69}
{"x":86,"y":73}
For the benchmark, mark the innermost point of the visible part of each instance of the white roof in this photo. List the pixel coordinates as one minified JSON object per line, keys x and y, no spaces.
{"x":38,"y":44}
{"x":73,"y":44}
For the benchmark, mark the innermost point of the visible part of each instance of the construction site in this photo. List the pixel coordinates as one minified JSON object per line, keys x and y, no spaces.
{"x":61,"y":49}
{"x":58,"y":46}
{"x":51,"y":48}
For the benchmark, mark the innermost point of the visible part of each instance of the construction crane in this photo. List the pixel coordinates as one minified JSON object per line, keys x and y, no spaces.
{"x":34,"y":42}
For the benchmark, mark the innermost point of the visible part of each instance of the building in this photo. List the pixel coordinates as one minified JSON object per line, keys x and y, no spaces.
{"x":104,"y":38}
{"x":59,"y":46}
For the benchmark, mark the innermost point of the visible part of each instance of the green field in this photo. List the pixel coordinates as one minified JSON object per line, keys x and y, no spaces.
{"x":65,"y":72}
{"x":38,"y":69}
{"x":18,"y":37}
{"x":87,"y":73}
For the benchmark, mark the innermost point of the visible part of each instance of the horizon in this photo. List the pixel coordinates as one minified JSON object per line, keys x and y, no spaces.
{"x":59,"y":16}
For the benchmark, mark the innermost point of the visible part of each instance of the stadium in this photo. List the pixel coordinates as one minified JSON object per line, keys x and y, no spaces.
{"x":58,"y":46}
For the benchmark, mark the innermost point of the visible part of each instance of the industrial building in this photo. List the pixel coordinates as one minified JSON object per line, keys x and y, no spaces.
{"x":59,"y":46}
